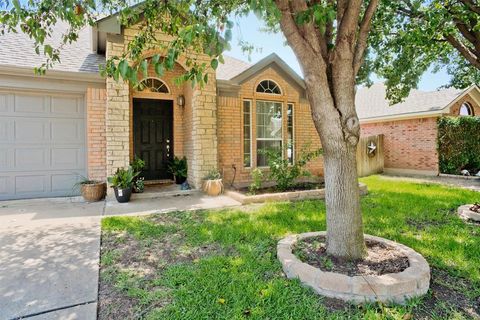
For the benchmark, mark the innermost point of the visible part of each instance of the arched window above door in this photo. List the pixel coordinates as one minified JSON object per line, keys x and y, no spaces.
{"x":153,"y":85}
{"x":268,"y":86}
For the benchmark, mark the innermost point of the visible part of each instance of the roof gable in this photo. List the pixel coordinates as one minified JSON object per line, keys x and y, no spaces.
{"x":271,"y":60}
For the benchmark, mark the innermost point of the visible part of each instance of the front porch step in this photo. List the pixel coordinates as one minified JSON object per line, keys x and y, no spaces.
{"x":159,"y":194}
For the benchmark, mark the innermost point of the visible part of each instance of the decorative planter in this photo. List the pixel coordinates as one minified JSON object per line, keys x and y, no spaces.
{"x":284,"y":196}
{"x":465,"y":213}
{"x":213,"y":187}
{"x":180,"y":180}
{"x":392,"y":287}
{"x":123,"y":195}
{"x":93,"y":192}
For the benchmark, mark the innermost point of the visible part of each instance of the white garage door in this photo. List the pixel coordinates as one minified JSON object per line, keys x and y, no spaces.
{"x":42,"y":144}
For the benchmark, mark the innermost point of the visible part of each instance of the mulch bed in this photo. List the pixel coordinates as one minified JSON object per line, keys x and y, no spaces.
{"x":475,"y":207}
{"x":302,"y":186}
{"x":381,"y":258}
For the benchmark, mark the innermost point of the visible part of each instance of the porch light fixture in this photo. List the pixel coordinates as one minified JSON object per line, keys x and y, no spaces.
{"x":181,"y":101}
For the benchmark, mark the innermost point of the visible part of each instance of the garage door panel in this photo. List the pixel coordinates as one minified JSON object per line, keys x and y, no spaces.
{"x":33,"y":158}
{"x":67,"y":158}
{"x":30,"y":104}
{"x":6,"y":126}
{"x":4,"y":182}
{"x":3,"y":103}
{"x":31,"y":130}
{"x":29,"y":184}
{"x":67,"y":106}
{"x":67,"y":131}
{"x":64,"y":182}
{"x":42,"y":144}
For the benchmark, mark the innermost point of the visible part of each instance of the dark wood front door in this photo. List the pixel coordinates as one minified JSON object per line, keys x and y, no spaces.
{"x":153,"y":136}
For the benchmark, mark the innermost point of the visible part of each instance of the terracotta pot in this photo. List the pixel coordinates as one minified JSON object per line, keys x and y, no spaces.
{"x":93,"y":192}
{"x":213,"y":187}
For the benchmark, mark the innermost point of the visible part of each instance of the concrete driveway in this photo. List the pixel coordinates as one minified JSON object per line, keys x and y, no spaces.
{"x":49,"y":251}
{"x":49,"y":255}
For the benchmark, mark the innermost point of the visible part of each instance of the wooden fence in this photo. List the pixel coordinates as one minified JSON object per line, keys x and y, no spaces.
{"x":370,"y":155}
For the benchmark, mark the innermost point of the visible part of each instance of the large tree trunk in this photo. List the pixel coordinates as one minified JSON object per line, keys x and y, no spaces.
{"x":330,"y":62}
{"x":344,"y":217}
{"x":339,"y":134}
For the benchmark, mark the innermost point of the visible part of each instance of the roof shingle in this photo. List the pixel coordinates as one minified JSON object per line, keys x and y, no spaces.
{"x":17,"y":49}
{"x":372,"y":103}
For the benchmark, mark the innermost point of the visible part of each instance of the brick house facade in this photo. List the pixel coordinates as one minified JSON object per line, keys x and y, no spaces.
{"x":82,"y":125}
{"x":410,"y":138}
{"x":209,"y":129}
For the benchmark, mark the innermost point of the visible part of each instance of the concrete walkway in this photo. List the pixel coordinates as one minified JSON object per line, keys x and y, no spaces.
{"x":471,"y":183}
{"x":49,"y":251}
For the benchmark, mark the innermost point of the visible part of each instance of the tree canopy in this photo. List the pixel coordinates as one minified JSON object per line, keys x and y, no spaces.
{"x":410,"y":36}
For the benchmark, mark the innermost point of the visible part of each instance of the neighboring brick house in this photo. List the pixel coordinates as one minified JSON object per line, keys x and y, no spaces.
{"x":72,"y":122}
{"x":410,"y":127}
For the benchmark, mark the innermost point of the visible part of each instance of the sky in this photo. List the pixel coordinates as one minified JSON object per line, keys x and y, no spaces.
{"x":249,"y":29}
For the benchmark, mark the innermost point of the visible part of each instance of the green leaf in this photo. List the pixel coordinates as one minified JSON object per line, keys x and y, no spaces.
{"x":214,"y":64}
{"x":144,"y":68}
{"x":123,"y":68}
{"x":159,"y":70}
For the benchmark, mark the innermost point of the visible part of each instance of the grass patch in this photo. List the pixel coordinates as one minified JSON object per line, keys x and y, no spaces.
{"x":221,"y":264}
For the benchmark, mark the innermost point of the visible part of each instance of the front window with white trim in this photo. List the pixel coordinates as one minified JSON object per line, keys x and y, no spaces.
{"x":269,"y":129}
{"x":247,"y":133}
{"x":290,"y":134}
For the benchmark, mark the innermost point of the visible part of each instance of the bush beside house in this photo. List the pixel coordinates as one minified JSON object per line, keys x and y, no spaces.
{"x":459,"y":144}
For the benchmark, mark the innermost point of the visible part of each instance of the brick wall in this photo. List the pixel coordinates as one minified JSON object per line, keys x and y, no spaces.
{"x":96,"y":136}
{"x":408,"y":144}
{"x":230,"y":124}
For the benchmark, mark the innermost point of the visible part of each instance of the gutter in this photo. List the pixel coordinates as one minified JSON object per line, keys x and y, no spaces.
{"x":76,"y":76}
{"x":405,"y":116}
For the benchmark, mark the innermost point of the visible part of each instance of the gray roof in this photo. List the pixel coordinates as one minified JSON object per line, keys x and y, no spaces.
{"x":372,"y":103}
{"x":231,"y":68}
{"x":17,"y":49}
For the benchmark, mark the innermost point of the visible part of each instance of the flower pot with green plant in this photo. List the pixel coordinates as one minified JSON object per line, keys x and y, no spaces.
{"x":179,"y":168}
{"x":122,"y":183}
{"x":92,"y":190}
{"x":138,"y":182}
{"x":213,"y":184}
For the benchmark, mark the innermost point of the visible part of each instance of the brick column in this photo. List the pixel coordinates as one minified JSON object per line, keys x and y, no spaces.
{"x":96,"y":138}
{"x":117,"y":115}
{"x":204,"y":131}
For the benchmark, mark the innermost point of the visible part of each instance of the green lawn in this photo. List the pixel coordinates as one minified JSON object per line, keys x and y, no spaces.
{"x":222,"y":264}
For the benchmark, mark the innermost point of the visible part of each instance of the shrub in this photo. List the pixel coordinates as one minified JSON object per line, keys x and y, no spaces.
{"x":213,"y":174}
{"x":257,"y":179}
{"x":459,"y":144}
{"x":285,"y":173}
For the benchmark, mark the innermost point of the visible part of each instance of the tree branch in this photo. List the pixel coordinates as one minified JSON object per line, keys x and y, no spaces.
{"x":471,"y":5}
{"x":363,"y":35}
{"x":464,"y":51}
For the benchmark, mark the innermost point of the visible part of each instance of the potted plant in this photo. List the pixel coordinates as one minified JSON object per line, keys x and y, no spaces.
{"x":92,"y":190}
{"x":179,"y":168}
{"x":213,"y":184}
{"x":138,"y":182}
{"x":122,"y":183}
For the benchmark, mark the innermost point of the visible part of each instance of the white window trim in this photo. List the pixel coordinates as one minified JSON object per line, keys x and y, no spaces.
{"x":469,"y":107}
{"x":293,"y":130}
{"x":162,"y":81}
{"x":269,"y":93}
{"x":250,"y":101}
{"x":282,"y":139}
